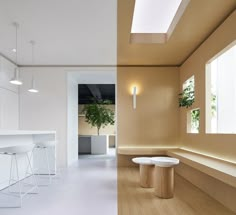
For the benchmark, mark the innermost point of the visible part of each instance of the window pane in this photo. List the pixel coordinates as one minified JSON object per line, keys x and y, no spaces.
{"x":223,"y":92}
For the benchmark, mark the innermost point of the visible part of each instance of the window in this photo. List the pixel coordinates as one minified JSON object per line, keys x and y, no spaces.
{"x":221,"y":92}
{"x":193,"y":121}
{"x":187,"y":97}
{"x":186,"y":100}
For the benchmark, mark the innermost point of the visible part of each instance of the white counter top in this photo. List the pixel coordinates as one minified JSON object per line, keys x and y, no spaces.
{"x":24,"y":132}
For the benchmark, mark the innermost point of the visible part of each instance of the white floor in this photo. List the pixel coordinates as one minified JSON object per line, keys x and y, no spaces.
{"x":89,"y":187}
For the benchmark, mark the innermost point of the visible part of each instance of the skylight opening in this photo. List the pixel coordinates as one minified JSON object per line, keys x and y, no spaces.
{"x":154,"y":16}
{"x":157,"y":18}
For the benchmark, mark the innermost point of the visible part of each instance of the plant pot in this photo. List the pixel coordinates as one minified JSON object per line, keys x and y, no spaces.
{"x":99,"y":144}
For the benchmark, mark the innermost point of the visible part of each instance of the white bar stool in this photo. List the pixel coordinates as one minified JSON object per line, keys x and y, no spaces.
{"x":14,"y":151}
{"x":45,"y":146}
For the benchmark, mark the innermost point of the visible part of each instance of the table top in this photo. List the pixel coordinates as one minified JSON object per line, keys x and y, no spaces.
{"x":165,"y":161}
{"x":142,"y":160}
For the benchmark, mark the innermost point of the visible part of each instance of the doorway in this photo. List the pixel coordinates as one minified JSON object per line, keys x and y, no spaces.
{"x":96,"y":120}
{"x":99,"y":77}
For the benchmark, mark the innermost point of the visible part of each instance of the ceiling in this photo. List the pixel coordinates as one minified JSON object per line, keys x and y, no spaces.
{"x":85,"y":32}
{"x":67,"y":32}
{"x":99,"y":91}
{"x":199,"y":20}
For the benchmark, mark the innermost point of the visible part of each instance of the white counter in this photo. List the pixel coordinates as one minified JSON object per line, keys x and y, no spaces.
{"x":24,"y":132}
{"x":23,"y":137}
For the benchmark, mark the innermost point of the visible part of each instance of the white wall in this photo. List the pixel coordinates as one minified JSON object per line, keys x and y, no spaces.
{"x":72,"y":120}
{"x":9,"y":98}
{"x":46,"y":110}
{"x":55,"y":107}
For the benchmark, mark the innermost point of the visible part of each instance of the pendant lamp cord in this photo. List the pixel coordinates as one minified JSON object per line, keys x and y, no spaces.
{"x":16,"y":25}
{"x":32,"y":43}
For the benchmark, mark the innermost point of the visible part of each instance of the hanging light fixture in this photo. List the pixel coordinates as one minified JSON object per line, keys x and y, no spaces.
{"x":16,"y":79}
{"x":33,"y":88}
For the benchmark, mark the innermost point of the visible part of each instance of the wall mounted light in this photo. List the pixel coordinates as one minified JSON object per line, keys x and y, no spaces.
{"x":16,"y":79}
{"x":134,"y":96}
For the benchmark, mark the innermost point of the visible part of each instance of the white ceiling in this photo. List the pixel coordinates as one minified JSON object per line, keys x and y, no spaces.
{"x":67,"y":32}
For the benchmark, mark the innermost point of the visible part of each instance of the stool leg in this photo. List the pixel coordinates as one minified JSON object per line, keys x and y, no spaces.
{"x":30,"y":158}
{"x":49,"y":172}
{"x":33,"y":175}
{"x":18,"y":180}
{"x":10,"y":178}
{"x":57,"y":169}
{"x":146,"y":175}
{"x":164,"y":182}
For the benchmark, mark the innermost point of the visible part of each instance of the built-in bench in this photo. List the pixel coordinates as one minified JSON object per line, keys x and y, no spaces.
{"x":222,"y":170}
{"x":144,"y":150}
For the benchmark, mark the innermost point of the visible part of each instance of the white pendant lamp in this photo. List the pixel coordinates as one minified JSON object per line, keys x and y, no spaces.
{"x":16,"y":79}
{"x":33,"y":88}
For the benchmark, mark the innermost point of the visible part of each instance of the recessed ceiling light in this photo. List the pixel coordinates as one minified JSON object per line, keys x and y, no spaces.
{"x":14,"y":50}
{"x":157,"y":18}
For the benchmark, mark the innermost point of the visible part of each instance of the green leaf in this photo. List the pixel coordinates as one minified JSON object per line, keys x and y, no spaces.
{"x":187,"y":97}
{"x":98,"y":114}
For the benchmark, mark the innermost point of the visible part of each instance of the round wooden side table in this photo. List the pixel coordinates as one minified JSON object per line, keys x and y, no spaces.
{"x":146,"y":171}
{"x":164,"y":176}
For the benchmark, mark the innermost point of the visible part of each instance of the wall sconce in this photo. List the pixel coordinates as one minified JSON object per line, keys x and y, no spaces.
{"x":134,"y":96}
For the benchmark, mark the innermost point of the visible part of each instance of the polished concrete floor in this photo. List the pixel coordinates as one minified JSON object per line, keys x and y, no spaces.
{"x":88,"y":187}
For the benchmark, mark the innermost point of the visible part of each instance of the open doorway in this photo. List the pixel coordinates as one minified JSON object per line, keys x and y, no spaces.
{"x":85,"y":76}
{"x":96,"y":120}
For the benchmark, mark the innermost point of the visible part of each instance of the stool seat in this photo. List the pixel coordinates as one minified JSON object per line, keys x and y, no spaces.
{"x":19,"y":149}
{"x":143,"y":160}
{"x":164,"y":161}
{"x":45,"y":144}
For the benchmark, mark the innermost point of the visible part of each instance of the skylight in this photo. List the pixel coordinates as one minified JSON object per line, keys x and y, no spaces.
{"x":157,"y":16}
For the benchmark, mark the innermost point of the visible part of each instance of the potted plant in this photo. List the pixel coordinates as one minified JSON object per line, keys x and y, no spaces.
{"x":99,"y":115}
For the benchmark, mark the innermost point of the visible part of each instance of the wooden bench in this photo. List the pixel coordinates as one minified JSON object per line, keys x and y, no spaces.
{"x":144,"y":150}
{"x":220,"y":169}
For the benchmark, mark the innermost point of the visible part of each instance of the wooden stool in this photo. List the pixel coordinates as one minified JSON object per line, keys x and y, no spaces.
{"x":164,"y":176}
{"x":146,"y":171}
